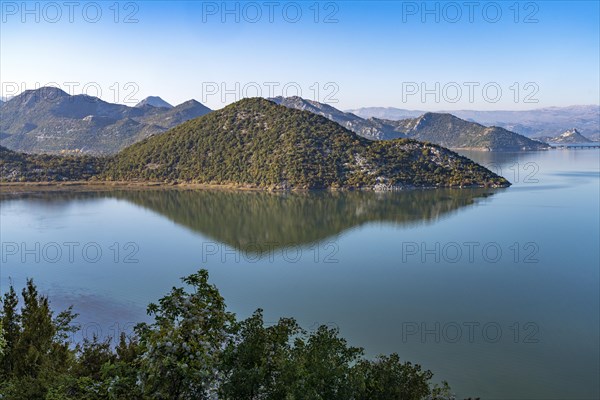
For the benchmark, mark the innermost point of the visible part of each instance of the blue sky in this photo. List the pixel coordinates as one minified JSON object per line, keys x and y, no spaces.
{"x":426,"y":56}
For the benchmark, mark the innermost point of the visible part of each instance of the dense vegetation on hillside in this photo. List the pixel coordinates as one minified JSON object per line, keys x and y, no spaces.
{"x":21,"y":167}
{"x":194,"y":349}
{"x":256,"y":142}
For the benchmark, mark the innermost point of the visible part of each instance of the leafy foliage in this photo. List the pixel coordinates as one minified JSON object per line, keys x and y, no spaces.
{"x":194,"y":349}
{"x":37,"y":351}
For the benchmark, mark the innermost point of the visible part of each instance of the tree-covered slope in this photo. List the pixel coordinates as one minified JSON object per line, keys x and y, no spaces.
{"x":21,"y":167}
{"x":256,"y":142}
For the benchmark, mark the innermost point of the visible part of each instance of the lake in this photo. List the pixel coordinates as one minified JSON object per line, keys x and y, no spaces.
{"x":494,"y":290}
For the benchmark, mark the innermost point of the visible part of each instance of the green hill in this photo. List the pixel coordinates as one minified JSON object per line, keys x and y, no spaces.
{"x":255,"y":142}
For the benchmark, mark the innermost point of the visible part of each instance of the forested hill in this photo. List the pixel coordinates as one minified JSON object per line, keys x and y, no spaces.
{"x":259,"y":143}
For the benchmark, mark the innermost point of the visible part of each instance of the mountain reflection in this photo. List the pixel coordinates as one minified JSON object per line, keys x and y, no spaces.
{"x":244,"y":219}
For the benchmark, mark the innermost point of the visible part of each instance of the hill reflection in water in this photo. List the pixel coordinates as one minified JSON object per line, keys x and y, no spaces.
{"x":244,"y":219}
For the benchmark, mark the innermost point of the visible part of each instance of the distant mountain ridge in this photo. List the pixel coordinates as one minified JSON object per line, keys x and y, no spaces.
{"x":541,"y":122}
{"x":443,"y":129}
{"x":450,"y":131}
{"x":48,"y":120}
{"x":154,"y":101}
{"x":571,"y":136}
{"x":366,"y":128}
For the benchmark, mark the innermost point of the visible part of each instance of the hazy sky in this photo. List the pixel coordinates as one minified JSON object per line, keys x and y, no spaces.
{"x":438,"y":56}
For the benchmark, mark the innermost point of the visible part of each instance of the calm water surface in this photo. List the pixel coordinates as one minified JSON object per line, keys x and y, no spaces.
{"x":495,"y":291}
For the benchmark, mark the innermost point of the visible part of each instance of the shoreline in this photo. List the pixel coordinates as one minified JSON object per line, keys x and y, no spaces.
{"x":99,"y":186}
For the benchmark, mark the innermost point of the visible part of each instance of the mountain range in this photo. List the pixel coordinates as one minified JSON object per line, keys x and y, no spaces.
{"x":443,"y":129}
{"x":48,"y":120}
{"x":541,"y":122}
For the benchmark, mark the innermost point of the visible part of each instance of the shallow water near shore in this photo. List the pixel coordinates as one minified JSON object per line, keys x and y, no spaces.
{"x":494,"y":290}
